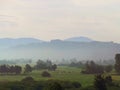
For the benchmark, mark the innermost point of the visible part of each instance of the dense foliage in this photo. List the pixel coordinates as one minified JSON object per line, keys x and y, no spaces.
{"x":93,"y":68}
{"x":7,"y":69}
{"x":117,"y":63}
{"x":27,"y":68}
{"x":40,"y":64}
{"x":100,"y":83}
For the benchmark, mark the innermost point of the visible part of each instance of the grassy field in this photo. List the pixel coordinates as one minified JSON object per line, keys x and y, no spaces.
{"x":62,"y":73}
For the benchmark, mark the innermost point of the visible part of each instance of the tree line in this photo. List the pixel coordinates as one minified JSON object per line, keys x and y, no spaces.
{"x":16,"y":69}
{"x":92,"y":68}
{"x":40,"y":64}
{"x":13,"y":69}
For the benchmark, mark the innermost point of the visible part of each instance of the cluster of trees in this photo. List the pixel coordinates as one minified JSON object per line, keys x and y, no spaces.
{"x":101,"y":82}
{"x":7,"y":69}
{"x":92,"y":68}
{"x":45,"y":65}
{"x":15,"y":69}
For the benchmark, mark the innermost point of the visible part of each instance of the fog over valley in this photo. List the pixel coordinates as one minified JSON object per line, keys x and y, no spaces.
{"x":81,"y":48}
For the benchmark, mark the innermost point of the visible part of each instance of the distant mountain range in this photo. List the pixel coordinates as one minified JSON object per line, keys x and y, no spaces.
{"x":81,"y":48}
{"x":8,"y":42}
{"x":79,"y":39}
{"x":34,"y":40}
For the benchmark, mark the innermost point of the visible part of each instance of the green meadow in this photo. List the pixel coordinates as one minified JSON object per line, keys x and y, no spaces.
{"x":62,"y":73}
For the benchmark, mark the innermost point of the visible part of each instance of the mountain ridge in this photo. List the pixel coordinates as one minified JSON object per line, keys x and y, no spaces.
{"x":58,"y":49}
{"x":79,"y":39}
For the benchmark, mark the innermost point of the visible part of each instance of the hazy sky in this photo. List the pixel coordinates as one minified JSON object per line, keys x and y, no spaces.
{"x":52,"y":19}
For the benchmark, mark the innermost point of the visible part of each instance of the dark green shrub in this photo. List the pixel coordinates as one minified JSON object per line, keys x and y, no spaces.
{"x":28,"y":79}
{"x":76,"y":84}
{"x":46,"y":74}
{"x":53,"y":86}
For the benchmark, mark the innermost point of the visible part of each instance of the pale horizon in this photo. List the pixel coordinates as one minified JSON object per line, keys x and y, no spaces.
{"x":47,"y":20}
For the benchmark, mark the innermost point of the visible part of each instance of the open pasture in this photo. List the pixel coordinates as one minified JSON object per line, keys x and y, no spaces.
{"x":62,"y":73}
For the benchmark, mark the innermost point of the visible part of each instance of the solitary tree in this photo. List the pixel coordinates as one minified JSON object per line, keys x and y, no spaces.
{"x":28,"y":68}
{"x":18,"y":69}
{"x":40,"y":65}
{"x":117,"y":63}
